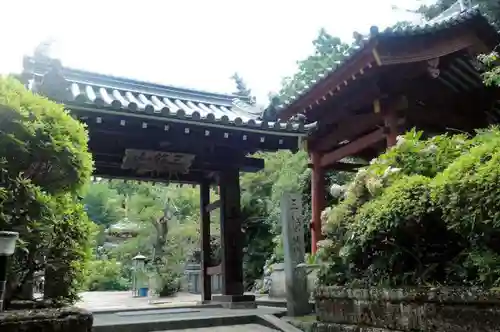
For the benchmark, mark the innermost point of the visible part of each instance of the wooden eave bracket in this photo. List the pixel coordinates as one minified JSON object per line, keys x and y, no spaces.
{"x":352,"y":148}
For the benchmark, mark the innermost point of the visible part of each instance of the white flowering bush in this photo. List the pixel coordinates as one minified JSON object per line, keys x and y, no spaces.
{"x":397,"y":222}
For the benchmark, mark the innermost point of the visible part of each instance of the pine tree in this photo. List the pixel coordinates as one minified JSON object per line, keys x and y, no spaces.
{"x":242,"y":89}
{"x":241,"y":86}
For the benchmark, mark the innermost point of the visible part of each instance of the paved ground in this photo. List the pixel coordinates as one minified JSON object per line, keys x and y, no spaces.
{"x":102,"y":301}
{"x":176,"y":314}
{"x":234,"y":328}
{"x":120,"y":311}
{"x":98,"y":301}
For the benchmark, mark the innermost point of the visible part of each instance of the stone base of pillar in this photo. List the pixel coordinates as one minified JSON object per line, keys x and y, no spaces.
{"x":235,"y":301}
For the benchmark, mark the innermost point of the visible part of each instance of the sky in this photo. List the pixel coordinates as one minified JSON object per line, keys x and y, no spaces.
{"x":190,"y":43}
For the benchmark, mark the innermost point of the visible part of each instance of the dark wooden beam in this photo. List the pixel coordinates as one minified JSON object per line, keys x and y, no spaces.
{"x":213,"y":206}
{"x":349,"y":127}
{"x":200,"y":163}
{"x":343,"y":167}
{"x":111,"y":172}
{"x":352,"y":148}
{"x":152,"y":132}
{"x":425,"y":47}
{"x":206,"y":290}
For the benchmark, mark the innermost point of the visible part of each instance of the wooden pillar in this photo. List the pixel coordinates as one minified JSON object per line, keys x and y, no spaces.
{"x":317,"y":199}
{"x":206,"y":291}
{"x":389,"y":110}
{"x":391,"y":126}
{"x":231,"y":235}
{"x":232,"y":243}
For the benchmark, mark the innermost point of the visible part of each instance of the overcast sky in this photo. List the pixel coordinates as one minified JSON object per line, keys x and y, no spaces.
{"x":190,"y":43}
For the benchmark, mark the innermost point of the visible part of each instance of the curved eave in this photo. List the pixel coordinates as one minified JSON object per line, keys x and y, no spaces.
{"x":72,"y":75}
{"x":252,"y":126}
{"x":376,"y":52}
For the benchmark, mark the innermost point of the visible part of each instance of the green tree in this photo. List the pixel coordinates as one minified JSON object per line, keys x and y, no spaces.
{"x":328,"y":52}
{"x":490,"y":7}
{"x":45,"y":165}
{"x":241,"y":87}
{"x":103,"y":204}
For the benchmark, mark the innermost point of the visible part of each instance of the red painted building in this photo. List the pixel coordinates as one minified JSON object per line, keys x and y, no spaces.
{"x":425,"y":77}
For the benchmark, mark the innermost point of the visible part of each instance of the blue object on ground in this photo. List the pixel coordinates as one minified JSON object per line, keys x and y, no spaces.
{"x":143,"y":292}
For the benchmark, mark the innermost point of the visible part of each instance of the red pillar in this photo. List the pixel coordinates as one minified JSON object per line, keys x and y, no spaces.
{"x":317,"y":199}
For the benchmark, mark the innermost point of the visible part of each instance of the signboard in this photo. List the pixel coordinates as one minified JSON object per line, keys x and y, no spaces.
{"x":294,"y":248}
{"x":144,"y":161}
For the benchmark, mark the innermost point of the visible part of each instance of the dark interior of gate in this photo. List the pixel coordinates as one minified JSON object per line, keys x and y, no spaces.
{"x":150,"y":132}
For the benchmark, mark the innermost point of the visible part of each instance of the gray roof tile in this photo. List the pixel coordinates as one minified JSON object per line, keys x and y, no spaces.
{"x":87,"y":89}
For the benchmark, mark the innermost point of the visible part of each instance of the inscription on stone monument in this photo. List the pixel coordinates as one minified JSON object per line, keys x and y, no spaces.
{"x":293,"y":242}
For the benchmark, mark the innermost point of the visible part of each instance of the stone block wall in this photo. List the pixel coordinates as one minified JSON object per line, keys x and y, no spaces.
{"x":411,"y":309}
{"x":278,"y":282}
{"x":192,"y":282}
{"x":46,"y":320}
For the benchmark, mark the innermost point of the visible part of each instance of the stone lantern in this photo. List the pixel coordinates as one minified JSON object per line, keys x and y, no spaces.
{"x":140,"y":280}
{"x":7,"y":248}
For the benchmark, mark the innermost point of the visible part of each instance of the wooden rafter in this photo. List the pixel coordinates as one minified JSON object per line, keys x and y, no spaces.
{"x":335,"y":82}
{"x":361,"y":96}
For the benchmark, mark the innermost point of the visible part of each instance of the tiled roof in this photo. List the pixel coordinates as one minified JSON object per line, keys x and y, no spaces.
{"x":430,"y":27}
{"x":91,"y":90}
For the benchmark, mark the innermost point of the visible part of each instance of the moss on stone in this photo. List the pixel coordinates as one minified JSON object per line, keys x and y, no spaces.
{"x":409,"y":309}
{"x":47,"y":320}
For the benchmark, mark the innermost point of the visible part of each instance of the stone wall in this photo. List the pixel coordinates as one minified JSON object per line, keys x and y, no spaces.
{"x":46,"y":320}
{"x":192,"y":282}
{"x":278,"y":289}
{"x":412,"y":309}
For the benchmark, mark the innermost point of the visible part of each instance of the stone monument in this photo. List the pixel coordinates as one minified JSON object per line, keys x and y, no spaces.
{"x":292,"y":224}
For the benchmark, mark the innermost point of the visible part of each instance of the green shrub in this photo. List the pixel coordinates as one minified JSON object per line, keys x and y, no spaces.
{"x":69,"y":250}
{"x":44,"y":164}
{"x":40,"y":140}
{"x":169,"y":285}
{"x":167,"y":278}
{"x":414,"y":155}
{"x":468,"y":192}
{"x":106,"y":275}
{"x":492,"y":75}
{"x":425,"y":212}
{"x":399,"y":237}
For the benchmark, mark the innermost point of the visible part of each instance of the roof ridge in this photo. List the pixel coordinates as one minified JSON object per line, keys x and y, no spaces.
{"x":40,"y":66}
